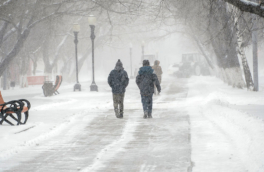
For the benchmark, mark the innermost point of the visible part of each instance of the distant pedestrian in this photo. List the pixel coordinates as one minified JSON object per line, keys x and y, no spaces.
{"x":146,"y":79}
{"x":118,"y":81}
{"x":158,"y":71}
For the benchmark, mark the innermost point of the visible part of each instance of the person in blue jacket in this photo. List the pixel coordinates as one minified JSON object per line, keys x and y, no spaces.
{"x":146,"y":79}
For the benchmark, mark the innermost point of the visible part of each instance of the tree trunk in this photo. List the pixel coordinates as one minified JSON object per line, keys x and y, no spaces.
{"x":2,"y":32}
{"x":80,"y":65}
{"x":255,"y":52}
{"x":224,"y":44}
{"x":48,"y":66}
{"x":203,"y":52}
{"x":5,"y":80}
{"x":35,"y":65}
{"x":23,"y":81}
{"x":235,"y":77}
{"x":241,"y":51}
{"x":9,"y":58}
{"x":223,"y":75}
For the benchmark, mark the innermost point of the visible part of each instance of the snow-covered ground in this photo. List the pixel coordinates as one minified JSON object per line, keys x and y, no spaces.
{"x":227,"y":133}
{"x":48,"y":116}
{"x":200,"y":124}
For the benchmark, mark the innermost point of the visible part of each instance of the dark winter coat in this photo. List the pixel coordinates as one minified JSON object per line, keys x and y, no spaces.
{"x":146,"y":79}
{"x":118,"y":79}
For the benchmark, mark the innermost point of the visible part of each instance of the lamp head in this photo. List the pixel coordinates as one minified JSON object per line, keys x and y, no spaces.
{"x":76,"y":27}
{"x":143,"y":43}
{"x":92,"y":20}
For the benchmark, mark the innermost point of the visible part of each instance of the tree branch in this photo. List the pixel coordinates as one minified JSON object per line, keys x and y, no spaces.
{"x":248,"y":6}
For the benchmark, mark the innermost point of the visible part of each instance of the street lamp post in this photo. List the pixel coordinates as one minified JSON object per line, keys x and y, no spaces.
{"x":142,"y":45}
{"x":76,"y":29}
{"x":92,"y":22}
{"x":131,"y":76}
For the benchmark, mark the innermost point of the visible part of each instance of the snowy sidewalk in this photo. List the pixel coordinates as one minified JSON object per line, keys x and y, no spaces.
{"x":195,"y":128}
{"x":95,"y":140}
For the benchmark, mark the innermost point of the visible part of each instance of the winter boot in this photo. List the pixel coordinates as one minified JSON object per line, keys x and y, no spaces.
{"x":121,"y":115}
{"x":145,"y":115}
{"x":149,"y":115}
{"x":117,"y":113}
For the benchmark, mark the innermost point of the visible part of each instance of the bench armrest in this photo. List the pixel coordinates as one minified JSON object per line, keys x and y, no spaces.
{"x":25,"y":101}
{"x":14,"y":105}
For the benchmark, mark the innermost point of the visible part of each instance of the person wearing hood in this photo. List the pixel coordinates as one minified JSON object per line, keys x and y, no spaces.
{"x":158,"y":71}
{"x":146,"y":79}
{"x":118,"y":80}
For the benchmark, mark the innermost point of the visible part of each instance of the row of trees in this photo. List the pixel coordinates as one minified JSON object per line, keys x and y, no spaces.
{"x":41,"y":29}
{"x":222,"y":31}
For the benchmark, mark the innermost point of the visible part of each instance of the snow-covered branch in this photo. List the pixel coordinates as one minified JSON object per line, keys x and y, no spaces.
{"x":248,"y":6}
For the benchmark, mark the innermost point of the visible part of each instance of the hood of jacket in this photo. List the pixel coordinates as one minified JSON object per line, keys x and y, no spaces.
{"x":145,"y":70}
{"x":119,"y":65}
{"x":156,"y":63}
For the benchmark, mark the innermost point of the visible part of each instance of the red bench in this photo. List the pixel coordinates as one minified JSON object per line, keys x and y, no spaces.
{"x":14,"y":109}
{"x":57,"y":84}
{"x":49,"y":89}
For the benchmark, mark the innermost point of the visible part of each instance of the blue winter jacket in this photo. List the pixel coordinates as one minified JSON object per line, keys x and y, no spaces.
{"x":146,"y":80}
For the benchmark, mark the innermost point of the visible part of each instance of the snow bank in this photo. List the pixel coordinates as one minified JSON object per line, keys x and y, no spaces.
{"x":223,"y":138}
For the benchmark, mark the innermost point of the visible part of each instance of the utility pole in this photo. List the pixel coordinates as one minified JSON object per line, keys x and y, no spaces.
{"x":255,"y":52}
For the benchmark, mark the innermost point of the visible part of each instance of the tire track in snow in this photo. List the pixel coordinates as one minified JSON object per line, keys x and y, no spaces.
{"x":110,"y":150}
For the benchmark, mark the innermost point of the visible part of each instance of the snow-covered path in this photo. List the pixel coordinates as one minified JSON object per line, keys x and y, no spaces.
{"x":97,"y":141}
{"x":193,"y":129}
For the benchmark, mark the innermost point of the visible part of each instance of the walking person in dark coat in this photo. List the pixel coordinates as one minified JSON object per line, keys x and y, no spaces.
{"x":118,"y":81}
{"x":146,"y":79}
